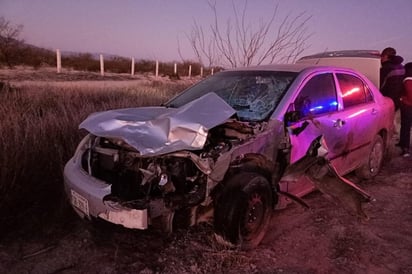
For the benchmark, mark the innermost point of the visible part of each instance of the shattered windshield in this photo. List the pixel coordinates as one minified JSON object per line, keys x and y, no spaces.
{"x":253,"y":94}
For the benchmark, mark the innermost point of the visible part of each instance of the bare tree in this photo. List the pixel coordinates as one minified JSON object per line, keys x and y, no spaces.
{"x":9,"y":41}
{"x":239,"y":43}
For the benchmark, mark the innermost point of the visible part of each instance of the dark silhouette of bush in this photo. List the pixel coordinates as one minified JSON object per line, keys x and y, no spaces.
{"x":145,"y":66}
{"x":11,"y":56}
{"x":81,"y":61}
{"x":37,"y":57}
{"x":118,"y":65}
{"x":10,"y":42}
{"x":28,"y":55}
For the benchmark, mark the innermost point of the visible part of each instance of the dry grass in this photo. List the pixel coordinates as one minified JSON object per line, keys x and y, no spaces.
{"x":39,"y":133}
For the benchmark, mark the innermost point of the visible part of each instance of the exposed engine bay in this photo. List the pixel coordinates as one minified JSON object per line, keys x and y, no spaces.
{"x":175,"y":180}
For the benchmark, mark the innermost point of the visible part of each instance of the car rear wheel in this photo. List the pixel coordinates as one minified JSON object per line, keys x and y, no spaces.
{"x":373,"y":163}
{"x":243,"y":211}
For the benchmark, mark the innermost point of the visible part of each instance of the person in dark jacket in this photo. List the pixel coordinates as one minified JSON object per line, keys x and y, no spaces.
{"x":391,"y":75}
{"x":406,"y":112}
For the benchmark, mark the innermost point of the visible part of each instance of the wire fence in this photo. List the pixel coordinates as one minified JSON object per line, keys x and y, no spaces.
{"x":121,"y":65}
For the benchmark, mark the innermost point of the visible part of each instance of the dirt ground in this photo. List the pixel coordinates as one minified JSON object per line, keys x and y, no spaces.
{"x":324,"y":239}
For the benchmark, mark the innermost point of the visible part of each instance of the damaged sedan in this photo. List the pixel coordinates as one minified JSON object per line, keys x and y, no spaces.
{"x":232,"y":148}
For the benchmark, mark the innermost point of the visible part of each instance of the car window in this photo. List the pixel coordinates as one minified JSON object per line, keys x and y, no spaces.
{"x":318,"y":96}
{"x":354,"y":91}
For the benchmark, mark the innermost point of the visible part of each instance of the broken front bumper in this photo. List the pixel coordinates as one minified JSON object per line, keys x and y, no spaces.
{"x":86,"y":195}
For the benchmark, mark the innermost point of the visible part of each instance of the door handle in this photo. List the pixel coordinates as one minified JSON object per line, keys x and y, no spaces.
{"x":339,"y":123}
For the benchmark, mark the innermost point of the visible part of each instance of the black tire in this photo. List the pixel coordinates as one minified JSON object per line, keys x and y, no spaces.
{"x":373,"y":163}
{"x":243,"y":210}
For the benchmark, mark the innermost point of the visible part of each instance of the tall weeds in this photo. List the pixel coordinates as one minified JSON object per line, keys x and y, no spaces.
{"x":39,"y":133}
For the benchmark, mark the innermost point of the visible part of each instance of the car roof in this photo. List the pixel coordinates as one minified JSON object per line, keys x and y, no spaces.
{"x":298,"y":67}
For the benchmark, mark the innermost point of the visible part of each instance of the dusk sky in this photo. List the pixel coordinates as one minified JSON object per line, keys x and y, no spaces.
{"x":151,"y":29}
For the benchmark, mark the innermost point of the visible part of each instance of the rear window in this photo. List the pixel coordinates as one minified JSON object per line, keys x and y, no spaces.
{"x":354,"y":91}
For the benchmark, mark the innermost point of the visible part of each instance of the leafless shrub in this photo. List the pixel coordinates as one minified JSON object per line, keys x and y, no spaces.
{"x":9,"y":42}
{"x":240,"y":43}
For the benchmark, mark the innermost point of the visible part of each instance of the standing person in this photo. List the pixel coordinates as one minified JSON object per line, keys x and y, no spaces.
{"x":406,"y":112}
{"x":391,"y":75}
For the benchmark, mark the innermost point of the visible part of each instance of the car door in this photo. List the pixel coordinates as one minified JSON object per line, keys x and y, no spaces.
{"x":360,"y":114}
{"x":343,"y":111}
{"x":317,"y":103}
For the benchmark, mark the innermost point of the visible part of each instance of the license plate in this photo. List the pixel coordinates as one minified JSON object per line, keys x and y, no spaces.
{"x":80,"y":202}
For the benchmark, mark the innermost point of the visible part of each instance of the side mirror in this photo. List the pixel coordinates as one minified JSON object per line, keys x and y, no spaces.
{"x":292,"y":117}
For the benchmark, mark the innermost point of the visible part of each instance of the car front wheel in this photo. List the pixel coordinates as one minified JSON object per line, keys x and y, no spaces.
{"x":243,"y":210}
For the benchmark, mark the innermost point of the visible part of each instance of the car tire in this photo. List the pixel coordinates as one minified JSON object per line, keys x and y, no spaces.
{"x":243,"y":211}
{"x":373,"y":163}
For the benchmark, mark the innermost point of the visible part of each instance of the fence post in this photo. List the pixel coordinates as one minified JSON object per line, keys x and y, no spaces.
{"x":132,"y":70}
{"x":59,"y":61}
{"x":175,"y":69}
{"x":201,"y":72}
{"x":101,"y":65}
{"x":190,"y":71}
{"x":157,"y":69}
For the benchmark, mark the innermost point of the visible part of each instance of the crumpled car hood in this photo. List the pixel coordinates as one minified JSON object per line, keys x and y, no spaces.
{"x":161,"y":130}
